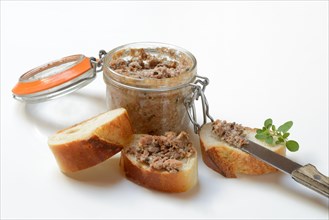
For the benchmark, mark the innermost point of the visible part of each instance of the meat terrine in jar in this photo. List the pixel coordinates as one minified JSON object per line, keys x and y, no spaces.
{"x":151,"y":81}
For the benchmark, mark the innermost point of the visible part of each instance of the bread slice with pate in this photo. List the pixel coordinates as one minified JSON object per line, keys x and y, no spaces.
{"x":166,"y":163}
{"x":220,"y":142}
{"x":92,"y":141}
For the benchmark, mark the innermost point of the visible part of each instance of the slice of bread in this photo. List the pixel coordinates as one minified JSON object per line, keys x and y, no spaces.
{"x":92,"y":141}
{"x":143,"y":174}
{"x":230,"y":161}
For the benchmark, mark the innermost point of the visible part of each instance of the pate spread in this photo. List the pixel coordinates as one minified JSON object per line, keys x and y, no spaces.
{"x":151,"y":112}
{"x":166,"y":153}
{"x":141,"y":64}
{"x":231,"y":133}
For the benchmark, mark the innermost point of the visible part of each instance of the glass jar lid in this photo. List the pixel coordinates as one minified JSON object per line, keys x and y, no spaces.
{"x":54,"y":79}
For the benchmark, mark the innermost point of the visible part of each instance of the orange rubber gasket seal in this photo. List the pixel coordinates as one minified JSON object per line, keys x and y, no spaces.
{"x":30,"y":87}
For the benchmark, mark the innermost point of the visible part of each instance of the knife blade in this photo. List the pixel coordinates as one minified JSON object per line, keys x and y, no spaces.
{"x":307,"y":175}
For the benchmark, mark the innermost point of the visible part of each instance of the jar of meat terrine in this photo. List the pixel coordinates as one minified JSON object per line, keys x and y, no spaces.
{"x":157,"y":83}
{"x":153,"y":82}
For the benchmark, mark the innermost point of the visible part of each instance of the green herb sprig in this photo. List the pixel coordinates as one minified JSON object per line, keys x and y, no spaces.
{"x":270,"y":134}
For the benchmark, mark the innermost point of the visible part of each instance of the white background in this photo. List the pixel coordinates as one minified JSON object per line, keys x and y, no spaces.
{"x":264,"y":59}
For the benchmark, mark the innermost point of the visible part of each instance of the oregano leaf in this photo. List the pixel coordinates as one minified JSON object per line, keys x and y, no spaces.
{"x":292,"y":145}
{"x":269,"y":140}
{"x":260,"y":136}
{"x":285,"y":127}
{"x":285,"y":135}
{"x":268,"y":123}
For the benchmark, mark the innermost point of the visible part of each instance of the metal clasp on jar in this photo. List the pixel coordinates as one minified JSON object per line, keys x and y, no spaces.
{"x":98,"y":63}
{"x":198,"y":89}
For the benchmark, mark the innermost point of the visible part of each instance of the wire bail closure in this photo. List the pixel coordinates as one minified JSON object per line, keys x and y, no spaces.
{"x":198,"y":89}
{"x":84,"y":72}
{"x":97,"y":64}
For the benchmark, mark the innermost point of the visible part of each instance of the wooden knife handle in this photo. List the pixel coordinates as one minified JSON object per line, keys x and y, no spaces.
{"x":310,"y":177}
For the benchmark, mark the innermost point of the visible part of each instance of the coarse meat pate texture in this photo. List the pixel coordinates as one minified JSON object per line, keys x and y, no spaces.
{"x":145,"y":65}
{"x":162,"y":109}
{"x":164,"y":153}
{"x":231,"y":133}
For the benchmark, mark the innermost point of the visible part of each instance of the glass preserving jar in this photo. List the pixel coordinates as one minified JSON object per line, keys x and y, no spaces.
{"x":154,"y":105}
{"x":161,"y":100}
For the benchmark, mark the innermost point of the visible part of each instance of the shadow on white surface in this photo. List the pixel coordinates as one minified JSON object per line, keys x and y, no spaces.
{"x":104,"y":174}
{"x":179,"y":196}
{"x":284,"y":184}
{"x":51,"y":116}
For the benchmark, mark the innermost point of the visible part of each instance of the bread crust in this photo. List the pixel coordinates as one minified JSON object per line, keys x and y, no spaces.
{"x":104,"y":142}
{"x":164,"y":181}
{"x":79,"y":155}
{"x":230,"y":161}
{"x":117,"y":132}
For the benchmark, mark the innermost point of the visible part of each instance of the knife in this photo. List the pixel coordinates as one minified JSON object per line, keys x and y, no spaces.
{"x":307,"y":175}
